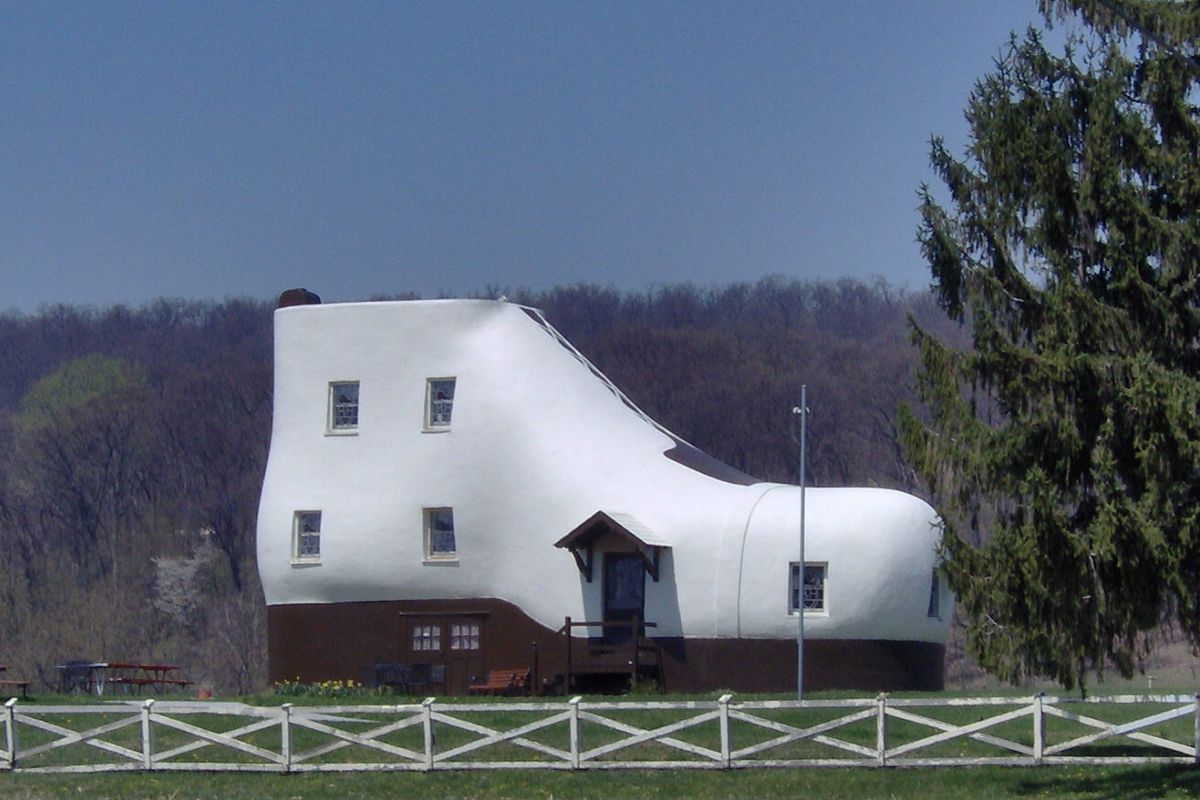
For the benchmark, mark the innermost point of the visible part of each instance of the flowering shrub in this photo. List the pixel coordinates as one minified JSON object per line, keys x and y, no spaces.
{"x":336,"y":688}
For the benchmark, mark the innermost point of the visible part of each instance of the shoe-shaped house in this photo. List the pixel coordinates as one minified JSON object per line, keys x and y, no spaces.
{"x":452,"y":485}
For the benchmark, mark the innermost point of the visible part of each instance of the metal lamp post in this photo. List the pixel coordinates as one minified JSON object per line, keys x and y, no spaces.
{"x":801,"y":411}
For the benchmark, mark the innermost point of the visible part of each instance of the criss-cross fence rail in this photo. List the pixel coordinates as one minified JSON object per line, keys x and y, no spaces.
{"x":578,"y":734}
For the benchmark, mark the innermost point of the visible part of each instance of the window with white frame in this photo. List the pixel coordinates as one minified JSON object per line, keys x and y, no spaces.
{"x":343,"y":406}
{"x":464,"y":636}
{"x":439,"y":534}
{"x":426,"y":637}
{"x":439,"y":403}
{"x":306,"y":536}
{"x":935,"y":596}
{"x":813,"y":591}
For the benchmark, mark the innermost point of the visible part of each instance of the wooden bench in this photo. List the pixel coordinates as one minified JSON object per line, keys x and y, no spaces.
{"x":11,"y":684}
{"x":502,"y":681}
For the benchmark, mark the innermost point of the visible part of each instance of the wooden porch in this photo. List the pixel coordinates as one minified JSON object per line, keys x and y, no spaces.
{"x":595,"y":663}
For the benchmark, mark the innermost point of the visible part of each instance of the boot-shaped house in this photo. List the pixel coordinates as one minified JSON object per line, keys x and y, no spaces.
{"x":452,"y":490}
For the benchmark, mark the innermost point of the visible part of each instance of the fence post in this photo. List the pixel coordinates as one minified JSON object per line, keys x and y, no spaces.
{"x":881,"y":730}
{"x":427,"y":723}
{"x":147,"y":736}
{"x":576,"y":742}
{"x":10,"y":731}
{"x":570,"y":671}
{"x":723,"y":708}
{"x":285,"y":736}
{"x":1195,"y":758}
{"x":1039,"y":729}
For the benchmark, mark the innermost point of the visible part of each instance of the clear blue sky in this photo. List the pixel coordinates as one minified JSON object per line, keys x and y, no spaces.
{"x":205,"y":150}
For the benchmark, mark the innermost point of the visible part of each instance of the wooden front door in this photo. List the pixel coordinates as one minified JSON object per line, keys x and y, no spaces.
{"x":624,"y":594}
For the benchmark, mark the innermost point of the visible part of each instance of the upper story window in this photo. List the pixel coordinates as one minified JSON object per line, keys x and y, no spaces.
{"x":343,"y":406}
{"x":439,"y":534}
{"x":306,"y":536}
{"x":439,"y":403}
{"x":814,"y":588}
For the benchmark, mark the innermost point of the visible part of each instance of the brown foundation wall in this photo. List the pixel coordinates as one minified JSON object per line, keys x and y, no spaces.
{"x":343,"y":641}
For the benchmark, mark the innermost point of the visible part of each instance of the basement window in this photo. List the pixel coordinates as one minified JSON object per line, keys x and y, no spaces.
{"x":814,"y":588}
{"x":426,"y":638}
{"x":464,"y":636}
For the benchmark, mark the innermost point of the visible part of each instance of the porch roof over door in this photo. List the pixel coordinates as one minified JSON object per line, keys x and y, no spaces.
{"x":616,"y":532}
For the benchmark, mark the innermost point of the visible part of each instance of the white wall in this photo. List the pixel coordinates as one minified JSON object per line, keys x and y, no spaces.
{"x":537,"y":444}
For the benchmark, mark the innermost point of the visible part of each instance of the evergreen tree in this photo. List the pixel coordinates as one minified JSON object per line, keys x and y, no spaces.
{"x":1063,"y":450}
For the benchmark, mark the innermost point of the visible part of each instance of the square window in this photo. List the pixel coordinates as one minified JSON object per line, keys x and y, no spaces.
{"x":306,"y":536}
{"x":439,"y":403}
{"x":464,"y":636}
{"x":343,"y":406}
{"x":439,"y":534}
{"x":814,"y":587}
{"x":426,"y":638}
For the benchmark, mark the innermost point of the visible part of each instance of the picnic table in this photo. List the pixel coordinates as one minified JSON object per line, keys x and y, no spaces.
{"x":135,"y":676}
{"x":95,"y":677}
{"x":11,"y":684}
{"x":81,"y":676}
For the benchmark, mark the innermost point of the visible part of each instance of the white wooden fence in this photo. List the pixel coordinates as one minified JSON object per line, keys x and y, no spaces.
{"x":578,"y":734}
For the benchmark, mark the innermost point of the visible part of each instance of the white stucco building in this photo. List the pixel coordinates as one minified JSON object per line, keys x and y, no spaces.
{"x":450,"y":480}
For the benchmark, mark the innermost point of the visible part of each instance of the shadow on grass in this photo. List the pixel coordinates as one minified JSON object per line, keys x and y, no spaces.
{"x":1101,"y":782}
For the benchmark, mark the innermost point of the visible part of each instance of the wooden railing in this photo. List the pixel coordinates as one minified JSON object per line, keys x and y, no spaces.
{"x":631,"y":651}
{"x":578,"y":734}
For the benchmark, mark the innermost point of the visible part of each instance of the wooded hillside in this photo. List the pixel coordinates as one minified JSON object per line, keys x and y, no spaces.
{"x":133,"y":441}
